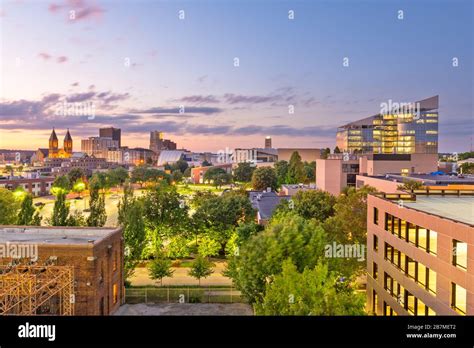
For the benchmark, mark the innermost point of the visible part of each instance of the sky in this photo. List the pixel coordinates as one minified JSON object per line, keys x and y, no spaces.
{"x":143,"y":67}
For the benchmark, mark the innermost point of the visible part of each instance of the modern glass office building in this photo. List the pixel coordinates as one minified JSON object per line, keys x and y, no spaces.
{"x":404,"y":128}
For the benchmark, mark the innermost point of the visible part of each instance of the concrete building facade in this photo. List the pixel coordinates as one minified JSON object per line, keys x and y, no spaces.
{"x":420,"y":258}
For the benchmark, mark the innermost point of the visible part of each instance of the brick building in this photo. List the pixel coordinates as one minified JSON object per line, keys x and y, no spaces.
{"x":96,"y":255}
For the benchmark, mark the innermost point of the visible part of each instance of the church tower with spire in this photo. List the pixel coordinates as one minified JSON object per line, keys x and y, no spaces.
{"x":55,"y":151}
{"x":53,"y":145}
{"x":68,"y":143}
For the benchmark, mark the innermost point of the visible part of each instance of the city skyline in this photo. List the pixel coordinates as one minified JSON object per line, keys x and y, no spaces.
{"x":139,"y":65}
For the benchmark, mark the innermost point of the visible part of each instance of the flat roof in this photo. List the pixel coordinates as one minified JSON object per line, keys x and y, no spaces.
{"x":54,"y":235}
{"x":452,"y":207}
{"x":429,"y":179}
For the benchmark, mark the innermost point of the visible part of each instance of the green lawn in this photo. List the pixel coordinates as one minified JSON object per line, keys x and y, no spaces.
{"x":192,"y":188}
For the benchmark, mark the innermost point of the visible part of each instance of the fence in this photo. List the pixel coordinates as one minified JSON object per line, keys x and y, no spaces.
{"x":182,"y":295}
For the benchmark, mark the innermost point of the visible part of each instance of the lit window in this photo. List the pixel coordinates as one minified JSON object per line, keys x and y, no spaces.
{"x":458,"y":298}
{"x":422,"y":237}
{"x":376,"y":243}
{"x":411,"y":268}
{"x":115,"y":293}
{"x":422,"y":274}
{"x":460,"y":254}
{"x":433,"y":242}
{"x":412,"y":233}
{"x":431,"y":281}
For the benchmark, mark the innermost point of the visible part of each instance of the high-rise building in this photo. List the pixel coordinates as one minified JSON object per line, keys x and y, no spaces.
{"x":158,"y":143}
{"x":111,"y":132}
{"x":268,"y":142}
{"x":400,"y":128}
{"x":98,"y":146}
{"x":420,"y":253}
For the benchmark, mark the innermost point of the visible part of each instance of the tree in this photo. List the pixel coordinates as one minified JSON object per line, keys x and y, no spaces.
{"x":200,"y":197}
{"x":466,"y":168}
{"x":206,"y":164}
{"x":410,"y":185}
{"x":201,"y":268}
{"x":212,"y":173}
{"x":349,"y":223}
{"x":117,"y":176}
{"x":219,"y":215}
{"x":79,"y":186}
{"x":76,"y":219}
{"x":281,"y":170}
{"x":337,"y":150}
{"x":9,"y":206}
{"x":325,"y":153}
{"x":310,"y":171}
{"x":165,"y":210}
{"x":27,"y":211}
{"x":155,"y":175}
{"x":160,"y":267}
{"x":208,"y":246}
{"x":315,"y":291}
{"x":138,"y":175}
{"x":296,"y":172}
{"x":60,"y":213}
{"x":245,"y":231}
{"x":124,"y":203}
{"x":62,"y":182}
{"x":134,"y":236}
{"x":263,"y":178}
{"x":312,"y":204}
{"x":243,"y":172}
{"x":75,"y":174}
{"x":222,"y":179}
{"x":178,"y":247}
{"x":465,"y":155}
{"x":177,"y":176}
{"x":98,"y":215}
{"x":180,"y":165}
{"x":100,"y":181}
{"x":187,"y":172}
{"x":260,"y":258}
{"x":37,"y":218}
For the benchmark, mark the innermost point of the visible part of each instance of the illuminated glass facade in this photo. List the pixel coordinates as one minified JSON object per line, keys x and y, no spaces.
{"x":396,"y":132}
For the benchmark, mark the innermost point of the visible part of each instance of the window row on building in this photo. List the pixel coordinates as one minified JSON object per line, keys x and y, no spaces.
{"x":407,"y":300}
{"x":415,"y":270}
{"x":420,"y":237}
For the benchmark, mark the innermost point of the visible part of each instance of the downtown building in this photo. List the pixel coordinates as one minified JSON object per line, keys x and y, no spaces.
{"x":420,"y":253}
{"x":400,"y":128}
{"x":403,"y":138}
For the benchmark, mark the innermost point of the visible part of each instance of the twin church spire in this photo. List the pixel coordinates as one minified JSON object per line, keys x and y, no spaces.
{"x":55,"y":151}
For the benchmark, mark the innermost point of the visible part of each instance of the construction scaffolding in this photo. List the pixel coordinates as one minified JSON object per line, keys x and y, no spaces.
{"x":36,"y":289}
